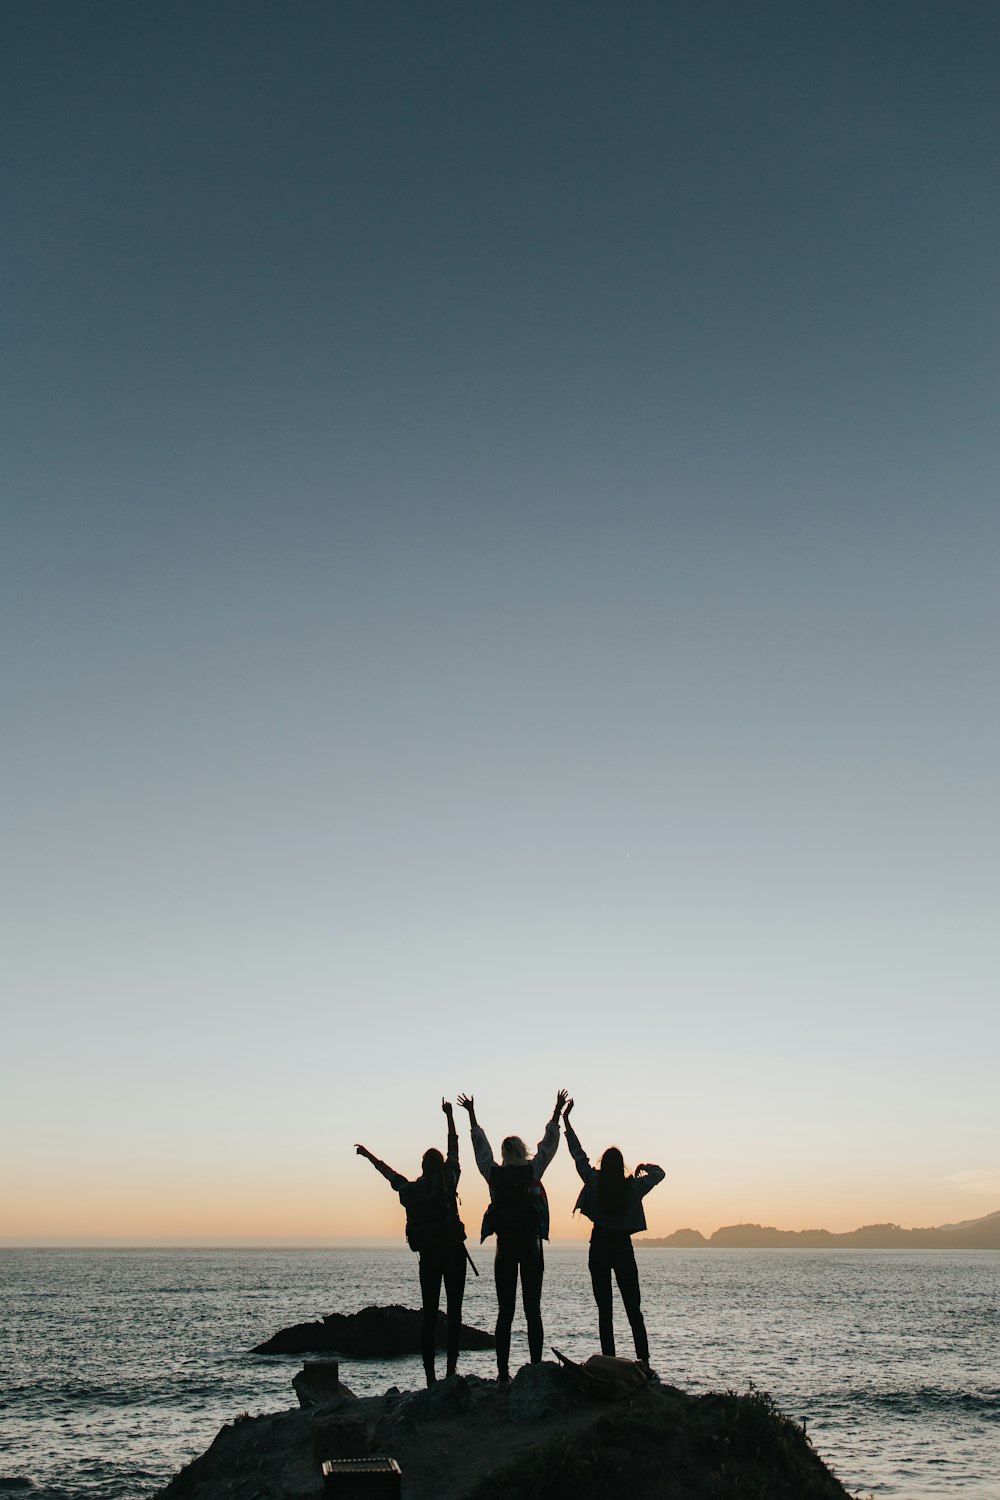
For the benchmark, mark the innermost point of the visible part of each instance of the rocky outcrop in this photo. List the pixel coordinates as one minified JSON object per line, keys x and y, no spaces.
{"x":972,"y":1234}
{"x":685,"y":1239}
{"x":318,"y":1383}
{"x":373,"y":1333}
{"x":467,"y":1439}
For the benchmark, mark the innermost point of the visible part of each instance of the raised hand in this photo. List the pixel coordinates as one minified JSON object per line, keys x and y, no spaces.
{"x":566,"y":1108}
{"x":446,"y":1106}
{"x":561,"y":1098}
{"x":363,"y":1151}
{"x":467,"y":1102}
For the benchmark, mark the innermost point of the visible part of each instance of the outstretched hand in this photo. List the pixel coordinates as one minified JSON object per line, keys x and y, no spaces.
{"x":468,"y":1103}
{"x":363,"y":1151}
{"x":561,"y":1098}
{"x":567,"y":1107}
{"x":446,"y":1106}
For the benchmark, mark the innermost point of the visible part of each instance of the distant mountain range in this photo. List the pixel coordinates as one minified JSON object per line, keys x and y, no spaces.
{"x":971,"y":1234}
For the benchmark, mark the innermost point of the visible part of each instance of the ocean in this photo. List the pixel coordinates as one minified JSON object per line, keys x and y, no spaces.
{"x":118,"y":1366}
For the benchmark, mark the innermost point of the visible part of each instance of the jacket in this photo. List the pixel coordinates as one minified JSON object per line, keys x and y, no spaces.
{"x":544,"y":1153}
{"x":633,"y":1218}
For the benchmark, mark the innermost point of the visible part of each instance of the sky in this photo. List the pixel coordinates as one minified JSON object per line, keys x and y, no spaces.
{"x":498,"y":592}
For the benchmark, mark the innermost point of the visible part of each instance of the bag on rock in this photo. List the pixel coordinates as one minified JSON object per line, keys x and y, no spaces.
{"x":604,"y":1375}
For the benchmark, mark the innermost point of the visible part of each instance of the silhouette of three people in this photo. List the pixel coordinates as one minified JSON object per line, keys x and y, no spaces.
{"x":518,"y":1214}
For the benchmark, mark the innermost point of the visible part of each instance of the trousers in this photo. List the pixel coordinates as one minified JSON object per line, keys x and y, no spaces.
{"x":518,"y":1257}
{"x":446,"y":1265}
{"x":611,"y":1251}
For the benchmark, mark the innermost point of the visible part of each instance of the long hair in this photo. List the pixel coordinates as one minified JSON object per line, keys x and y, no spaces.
{"x":611,"y":1180}
{"x":513,"y":1151}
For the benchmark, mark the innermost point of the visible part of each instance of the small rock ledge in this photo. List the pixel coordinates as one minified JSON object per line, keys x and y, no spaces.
{"x":373,"y":1333}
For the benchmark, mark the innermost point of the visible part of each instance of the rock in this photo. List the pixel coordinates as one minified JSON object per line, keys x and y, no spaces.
{"x":318,"y":1383}
{"x":456,"y":1440}
{"x":339,"y":1435}
{"x":539,"y":1391}
{"x":264,"y":1456}
{"x":373,"y":1333}
{"x":662,"y":1444}
{"x":442,"y":1401}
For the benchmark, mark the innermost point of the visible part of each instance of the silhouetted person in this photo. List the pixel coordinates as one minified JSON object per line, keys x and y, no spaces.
{"x":519,"y":1217}
{"x":435,"y":1231}
{"x":612,"y":1199}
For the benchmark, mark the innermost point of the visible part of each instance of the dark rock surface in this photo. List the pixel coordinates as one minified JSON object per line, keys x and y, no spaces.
{"x":318,"y":1383}
{"x":534,"y":1395}
{"x":467,"y":1439}
{"x":373,"y":1333}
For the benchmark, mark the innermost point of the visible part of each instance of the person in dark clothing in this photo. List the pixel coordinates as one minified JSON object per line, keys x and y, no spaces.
{"x":435,"y":1231}
{"x":612,"y":1199}
{"x":518,"y":1215}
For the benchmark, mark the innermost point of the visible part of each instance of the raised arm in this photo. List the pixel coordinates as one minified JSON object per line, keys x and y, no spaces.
{"x":469,"y":1105}
{"x":395,"y":1178}
{"x":580,"y":1157}
{"x":647,"y":1175}
{"x":480,"y":1145}
{"x":549,"y":1143}
{"x":452,"y":1157}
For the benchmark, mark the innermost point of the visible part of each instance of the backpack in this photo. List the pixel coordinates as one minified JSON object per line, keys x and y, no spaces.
{"x":518,"y":1206}
{"x":432,"y":1220}
{"x":604,"y":1376}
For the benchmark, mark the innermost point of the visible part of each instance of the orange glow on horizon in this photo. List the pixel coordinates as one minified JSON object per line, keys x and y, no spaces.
{"x":347,"y":1206}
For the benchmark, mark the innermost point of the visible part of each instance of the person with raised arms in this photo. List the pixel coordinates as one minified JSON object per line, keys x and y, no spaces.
{"x":518,"y":1214}
{"x":436,"y":1233}
{"x":612,"y":1199}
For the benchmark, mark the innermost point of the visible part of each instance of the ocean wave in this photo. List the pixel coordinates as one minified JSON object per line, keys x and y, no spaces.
{"x":933,"y":1398}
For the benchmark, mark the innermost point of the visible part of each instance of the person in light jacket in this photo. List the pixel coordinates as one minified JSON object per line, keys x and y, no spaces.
{"x":612,"y":1199}
{"x":518,"y":1215}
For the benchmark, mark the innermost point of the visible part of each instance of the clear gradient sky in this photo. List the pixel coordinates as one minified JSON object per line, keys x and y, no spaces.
{"x":498,"y":591}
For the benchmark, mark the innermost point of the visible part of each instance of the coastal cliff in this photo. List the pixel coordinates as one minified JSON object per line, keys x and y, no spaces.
{"x":971,"y":1234}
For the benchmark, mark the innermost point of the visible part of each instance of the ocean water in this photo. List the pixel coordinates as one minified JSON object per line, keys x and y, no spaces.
{"x":118,"y":1366}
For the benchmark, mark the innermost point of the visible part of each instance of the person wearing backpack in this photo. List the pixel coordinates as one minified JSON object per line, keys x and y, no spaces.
{"x":612,"y":1199}
{"x":436,"y":1233}
{"x":518,"y":1214}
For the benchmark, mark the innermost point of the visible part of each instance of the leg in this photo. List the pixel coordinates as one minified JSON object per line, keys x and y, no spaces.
{"x":627,"y":1277}
{"x":532,"y":1272}
{"x":454,"y":1290}
{"x":599,"y":1262}
{"x":505,"y":1277}
{"x":431,"y":1271}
